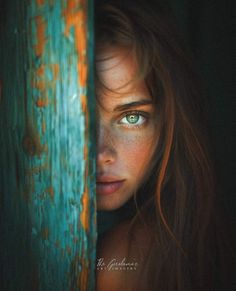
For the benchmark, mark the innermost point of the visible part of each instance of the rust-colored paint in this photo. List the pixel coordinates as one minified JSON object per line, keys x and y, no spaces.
{"x":39,"y":84}
{"x":42,"y":84}
{"x":40,"y":193}
{"x":81,"y":43}
{"x":85,"y":152}
{"x":55,"y":70}
{"x":82,"y":69}
{"x":75,"y":17}
{"x":82,"y":279}
{"x":42,"y":102}
{"x":40,"y":34}
{"x":40,"y":71}
{"x":84,"y":215}
{"x":83,"y":100}
{"x":51,"y":193}
{"x":40,"y":2}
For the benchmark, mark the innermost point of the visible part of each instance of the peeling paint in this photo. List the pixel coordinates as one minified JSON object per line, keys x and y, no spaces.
{"x":75,"y":17}
{"x":86,"y":153}
{"x":84,"y":216}
{"x":47,"y":150}
{"x":40,"y":2}
{"x":40,"y":33}
{"x":40,"y":71}
{"x":51,"y":193}
{"x":55,"y":69}
{"x":82,"y":279}
{"x":83,"y":100}
{"x":42,"y":102}
{"x":39,"y":84}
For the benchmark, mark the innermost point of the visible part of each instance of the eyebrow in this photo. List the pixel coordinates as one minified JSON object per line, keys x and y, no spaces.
{"x":132,"y":104}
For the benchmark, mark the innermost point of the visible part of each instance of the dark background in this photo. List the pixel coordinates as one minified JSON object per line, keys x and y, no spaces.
{"x":209,"y":28}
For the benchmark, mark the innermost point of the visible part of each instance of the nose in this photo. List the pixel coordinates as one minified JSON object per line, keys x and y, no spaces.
{"x":105,"y":146}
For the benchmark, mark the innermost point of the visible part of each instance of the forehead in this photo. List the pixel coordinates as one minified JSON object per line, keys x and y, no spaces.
{"x":117,"y":72}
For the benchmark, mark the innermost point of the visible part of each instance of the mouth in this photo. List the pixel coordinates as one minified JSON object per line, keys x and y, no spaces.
{"x":108,"y":187}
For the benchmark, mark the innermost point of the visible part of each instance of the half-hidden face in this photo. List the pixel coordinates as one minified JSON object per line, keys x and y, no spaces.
{"x":126,"y":128}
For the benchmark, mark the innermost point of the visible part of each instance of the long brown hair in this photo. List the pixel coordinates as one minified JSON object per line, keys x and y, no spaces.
{"x":176,"y":200}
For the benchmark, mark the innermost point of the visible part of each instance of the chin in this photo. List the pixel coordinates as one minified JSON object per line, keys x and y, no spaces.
{"x":108,"y":206}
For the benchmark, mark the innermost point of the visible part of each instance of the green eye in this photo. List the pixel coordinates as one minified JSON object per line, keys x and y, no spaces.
{"x":132,"y":118}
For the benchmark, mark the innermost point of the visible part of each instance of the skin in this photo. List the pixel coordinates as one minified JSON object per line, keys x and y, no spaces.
{"x":114,"y":246}
{"x":127,"y":136}
{"x":126,"y":142}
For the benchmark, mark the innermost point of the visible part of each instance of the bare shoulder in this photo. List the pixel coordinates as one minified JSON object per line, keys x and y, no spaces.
{"x":114,"y":240}
{"x":112,"y":248}
{"x":116,"y":263}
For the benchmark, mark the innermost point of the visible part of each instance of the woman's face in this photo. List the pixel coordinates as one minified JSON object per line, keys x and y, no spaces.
{"x":127,"y":135}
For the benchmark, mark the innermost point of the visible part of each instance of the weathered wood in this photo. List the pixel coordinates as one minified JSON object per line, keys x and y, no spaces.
{"x":48,"y":219}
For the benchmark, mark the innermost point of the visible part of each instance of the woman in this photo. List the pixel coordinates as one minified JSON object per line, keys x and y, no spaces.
{"x":152,"y":159}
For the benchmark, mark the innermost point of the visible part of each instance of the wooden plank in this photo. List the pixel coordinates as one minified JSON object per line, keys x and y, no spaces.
{"x":48,"y":218}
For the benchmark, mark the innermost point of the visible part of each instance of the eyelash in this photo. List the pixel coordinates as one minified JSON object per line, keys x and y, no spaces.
{"x":143,"y":114}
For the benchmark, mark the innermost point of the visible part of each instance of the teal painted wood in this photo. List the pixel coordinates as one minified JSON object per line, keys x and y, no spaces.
{"x":47,"y":139}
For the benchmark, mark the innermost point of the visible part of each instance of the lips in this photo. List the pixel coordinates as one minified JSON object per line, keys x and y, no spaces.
{"x":108,"y":184}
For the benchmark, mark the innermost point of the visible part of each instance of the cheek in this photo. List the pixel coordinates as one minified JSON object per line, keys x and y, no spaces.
{"x":135,"y":150}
